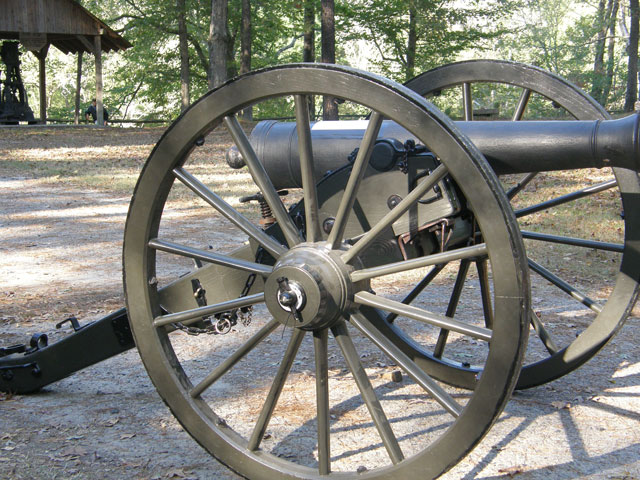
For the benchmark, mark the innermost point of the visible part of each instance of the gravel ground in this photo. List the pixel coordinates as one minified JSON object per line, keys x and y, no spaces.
{"x":60,"y":255}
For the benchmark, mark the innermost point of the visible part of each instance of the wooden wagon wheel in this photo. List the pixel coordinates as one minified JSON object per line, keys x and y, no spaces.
{"x":312,"y":289}
{"x":549,"y":355}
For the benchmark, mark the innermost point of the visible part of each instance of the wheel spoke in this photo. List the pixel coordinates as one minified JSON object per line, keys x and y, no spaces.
{"x":453,"y":305}
{"x":411,"y":296}
{"x":357,"y":173}
{"x":210,"y":257}
{"x":404,"y":205}
{"x":485,"y":292}
{"x":225,"y":366}
{"x":577,"y":242}
{"x":380,"y":420}
{"x":523,"y":101}
{"x":307,"y":170}
{"x":263,"y":181}
{"x":276,"y":389}
{"x":235,"y":217}
{"x":190,"y":316}
{"x":401,"y":359}
{"x":375,"y":301}
{"x":564,"y":286}
{"x":523,"y":182}
{"x":479,"y":250}
{"x":467,"y":101}
{"x":322,"y":400}
{"x":543,"y":334}
{"x":566,"y":198}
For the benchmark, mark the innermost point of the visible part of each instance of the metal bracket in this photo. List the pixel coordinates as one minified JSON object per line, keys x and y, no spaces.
{"x":122,"y":330}
{"x":19,"y":348}
{"x":73,"y":321}
{"x":199,"y":292}
{"x":7,"y":374}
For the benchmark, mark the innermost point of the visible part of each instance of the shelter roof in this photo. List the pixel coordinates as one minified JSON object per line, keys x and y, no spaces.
{"x":63,"y":23}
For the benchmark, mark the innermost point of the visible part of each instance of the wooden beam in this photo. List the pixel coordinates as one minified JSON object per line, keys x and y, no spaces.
{"x":41,"y":55}
{"x":76,"y":114}
{"x":98,"y":53}
{"x":87,"y":44}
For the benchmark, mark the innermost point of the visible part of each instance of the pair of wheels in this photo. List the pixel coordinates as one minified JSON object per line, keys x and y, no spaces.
{"x":300,"y":390}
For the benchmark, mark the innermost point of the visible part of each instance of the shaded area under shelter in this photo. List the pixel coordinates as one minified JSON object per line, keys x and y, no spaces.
{"x":68,"y":26}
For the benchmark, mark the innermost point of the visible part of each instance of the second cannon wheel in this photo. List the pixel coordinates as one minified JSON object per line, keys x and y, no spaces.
{"x":597,"y":273}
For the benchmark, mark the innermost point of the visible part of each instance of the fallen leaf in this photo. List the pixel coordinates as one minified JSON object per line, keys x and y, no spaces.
{"x":111,"y":422}
{"x":511,"y":471}
{"x":75,"y":451}
{"x":181,"y":473}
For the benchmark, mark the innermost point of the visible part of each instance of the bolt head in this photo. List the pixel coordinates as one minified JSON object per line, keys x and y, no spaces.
{"x":327,"y":225}
{"x":393,"y":200}
{"x":288,"y":299}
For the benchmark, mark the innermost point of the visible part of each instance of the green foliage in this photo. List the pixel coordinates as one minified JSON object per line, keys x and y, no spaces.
{"x":144,"y":81}
{"x":560,"y":36}
{"x":443,"y":30}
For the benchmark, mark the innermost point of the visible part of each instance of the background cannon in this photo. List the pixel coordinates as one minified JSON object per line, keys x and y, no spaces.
{"x":307,"y":292}
{"x":14,"y":104}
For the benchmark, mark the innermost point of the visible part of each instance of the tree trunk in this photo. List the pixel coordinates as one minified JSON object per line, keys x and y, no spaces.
{"x":245,"y":47}
{"x":218,"y":43}
{"x":76,"y":113}
{"x":632,"y":49}
{"x":611,"y":44}
{"x":185,"y":95}
{"x":598,"y":63}
{"x":328,"y":31}
{"x":245,"y":37}
{"x":309,"y":47}
{"x":411,"y":43}
{"x":232,"y":68}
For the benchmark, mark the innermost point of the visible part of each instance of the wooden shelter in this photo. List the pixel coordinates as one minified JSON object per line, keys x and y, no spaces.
{"x":66,"y":25}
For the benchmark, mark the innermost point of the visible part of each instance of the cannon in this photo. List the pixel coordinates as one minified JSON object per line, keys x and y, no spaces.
{"x":14,"y":104}
{"x":351,"y":270}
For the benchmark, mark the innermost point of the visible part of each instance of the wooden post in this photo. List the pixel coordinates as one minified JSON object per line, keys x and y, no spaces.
{"x":97,"y":47}
{"x":42,"y":56}
{"x":76,"y":115}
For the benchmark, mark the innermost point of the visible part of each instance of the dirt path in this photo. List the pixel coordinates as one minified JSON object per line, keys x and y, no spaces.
{"x":60,"y":255}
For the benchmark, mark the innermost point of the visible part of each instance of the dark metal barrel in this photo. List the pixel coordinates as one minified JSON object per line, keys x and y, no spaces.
{"x":510,"y":147}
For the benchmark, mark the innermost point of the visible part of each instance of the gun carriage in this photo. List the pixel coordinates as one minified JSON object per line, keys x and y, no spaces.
{"x":385,"y":205}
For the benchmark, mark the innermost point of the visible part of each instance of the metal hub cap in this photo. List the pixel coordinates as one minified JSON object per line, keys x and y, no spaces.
{"x":309,"y":287}
{"x":291,"y":296}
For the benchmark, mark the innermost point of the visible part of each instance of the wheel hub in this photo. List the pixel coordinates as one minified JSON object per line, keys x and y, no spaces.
{"x":309,"y":288}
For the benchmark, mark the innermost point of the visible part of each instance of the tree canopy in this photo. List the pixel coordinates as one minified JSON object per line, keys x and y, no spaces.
{"x":184,"y":47}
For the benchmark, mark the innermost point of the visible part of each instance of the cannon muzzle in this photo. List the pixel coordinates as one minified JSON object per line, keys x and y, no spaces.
{"x":510,"y":147}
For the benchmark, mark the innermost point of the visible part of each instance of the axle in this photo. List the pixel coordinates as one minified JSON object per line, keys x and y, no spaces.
{"x":510,"y":147}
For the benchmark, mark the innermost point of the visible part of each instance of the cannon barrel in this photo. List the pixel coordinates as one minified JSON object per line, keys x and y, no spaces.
{"x":510,"y":147}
